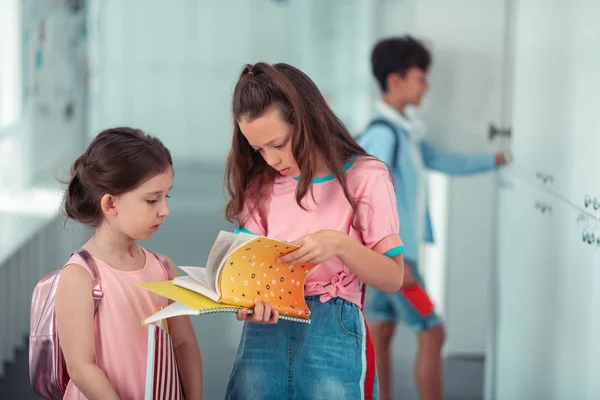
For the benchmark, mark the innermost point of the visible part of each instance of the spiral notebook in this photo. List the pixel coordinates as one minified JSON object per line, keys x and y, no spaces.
{"x":162,"y":375}
{"x":240,"y":268}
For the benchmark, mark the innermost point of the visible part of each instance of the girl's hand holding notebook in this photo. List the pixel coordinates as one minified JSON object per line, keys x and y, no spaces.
{"x":263,"y":313}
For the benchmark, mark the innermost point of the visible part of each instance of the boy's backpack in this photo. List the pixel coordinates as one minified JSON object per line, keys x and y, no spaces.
{"x":47,"y":367}
{"x":385,"y":122}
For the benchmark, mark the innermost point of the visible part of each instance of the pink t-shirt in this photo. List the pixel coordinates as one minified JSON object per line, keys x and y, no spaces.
{"x":369,"y":183}
{"x":121,"y":339}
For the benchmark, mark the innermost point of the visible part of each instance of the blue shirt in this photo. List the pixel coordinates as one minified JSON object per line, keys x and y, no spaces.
{"x":379,"y":141}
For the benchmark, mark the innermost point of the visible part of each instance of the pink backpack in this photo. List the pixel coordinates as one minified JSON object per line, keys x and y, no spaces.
{"x":47,"y":366}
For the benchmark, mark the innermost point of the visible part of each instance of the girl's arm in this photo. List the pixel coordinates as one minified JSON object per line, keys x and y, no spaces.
{"x":187,"y":351}
{"x":75,"y":324}
{"x":377,"y":270}
{"x":376,"y":260}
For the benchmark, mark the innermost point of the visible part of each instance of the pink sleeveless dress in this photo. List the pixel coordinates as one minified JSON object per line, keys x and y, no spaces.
{"x":121,"y":339}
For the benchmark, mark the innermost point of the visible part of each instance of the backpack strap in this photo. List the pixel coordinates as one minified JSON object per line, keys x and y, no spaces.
{"x":395,"y":131}
{"x":163,"y":262}
{"x":97,"y":292}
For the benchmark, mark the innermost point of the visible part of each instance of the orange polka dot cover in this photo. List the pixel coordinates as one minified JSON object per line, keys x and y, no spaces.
{"x":252,"y":272}
{"x":240,"y":268}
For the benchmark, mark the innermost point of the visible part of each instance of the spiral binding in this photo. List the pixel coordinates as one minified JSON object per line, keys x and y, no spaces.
{"x":294,"y":319}
{"x":236,"y":309}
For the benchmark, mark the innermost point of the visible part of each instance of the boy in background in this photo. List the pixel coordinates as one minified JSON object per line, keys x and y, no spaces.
{"x":401,"y":65}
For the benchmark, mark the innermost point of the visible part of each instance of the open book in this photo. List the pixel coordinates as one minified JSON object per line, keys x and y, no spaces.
{"x":240,"y":268}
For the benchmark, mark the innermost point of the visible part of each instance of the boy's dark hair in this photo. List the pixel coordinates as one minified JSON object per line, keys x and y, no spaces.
{"x":398,"y":55}
{"x":117,"y":161}
{"x":262,"y":87}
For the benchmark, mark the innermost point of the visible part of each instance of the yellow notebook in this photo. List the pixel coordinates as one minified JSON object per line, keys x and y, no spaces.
{"x":240,"y":268}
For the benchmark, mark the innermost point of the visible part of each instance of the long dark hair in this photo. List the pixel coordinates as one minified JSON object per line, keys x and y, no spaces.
{"x":316,"y":130}
{"x":117,"y":161}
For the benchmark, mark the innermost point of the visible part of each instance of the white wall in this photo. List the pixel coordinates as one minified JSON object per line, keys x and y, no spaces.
{"x":548,"y":282}
{"x":170,"y":67}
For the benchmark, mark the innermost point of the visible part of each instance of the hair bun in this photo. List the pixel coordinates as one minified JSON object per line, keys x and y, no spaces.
{"x":115,"y":162}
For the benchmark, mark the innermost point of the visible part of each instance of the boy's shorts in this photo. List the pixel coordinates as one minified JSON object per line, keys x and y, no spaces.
{"x":394,"y":307}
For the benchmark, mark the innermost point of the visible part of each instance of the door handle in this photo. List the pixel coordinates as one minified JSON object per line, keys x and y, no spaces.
{"x":493,"y":131}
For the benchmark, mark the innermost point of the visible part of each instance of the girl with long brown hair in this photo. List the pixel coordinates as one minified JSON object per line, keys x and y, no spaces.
{"x":295,"y":173}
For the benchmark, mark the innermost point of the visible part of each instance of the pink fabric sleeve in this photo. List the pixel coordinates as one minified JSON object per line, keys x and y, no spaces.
{"x":378,"y":216}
